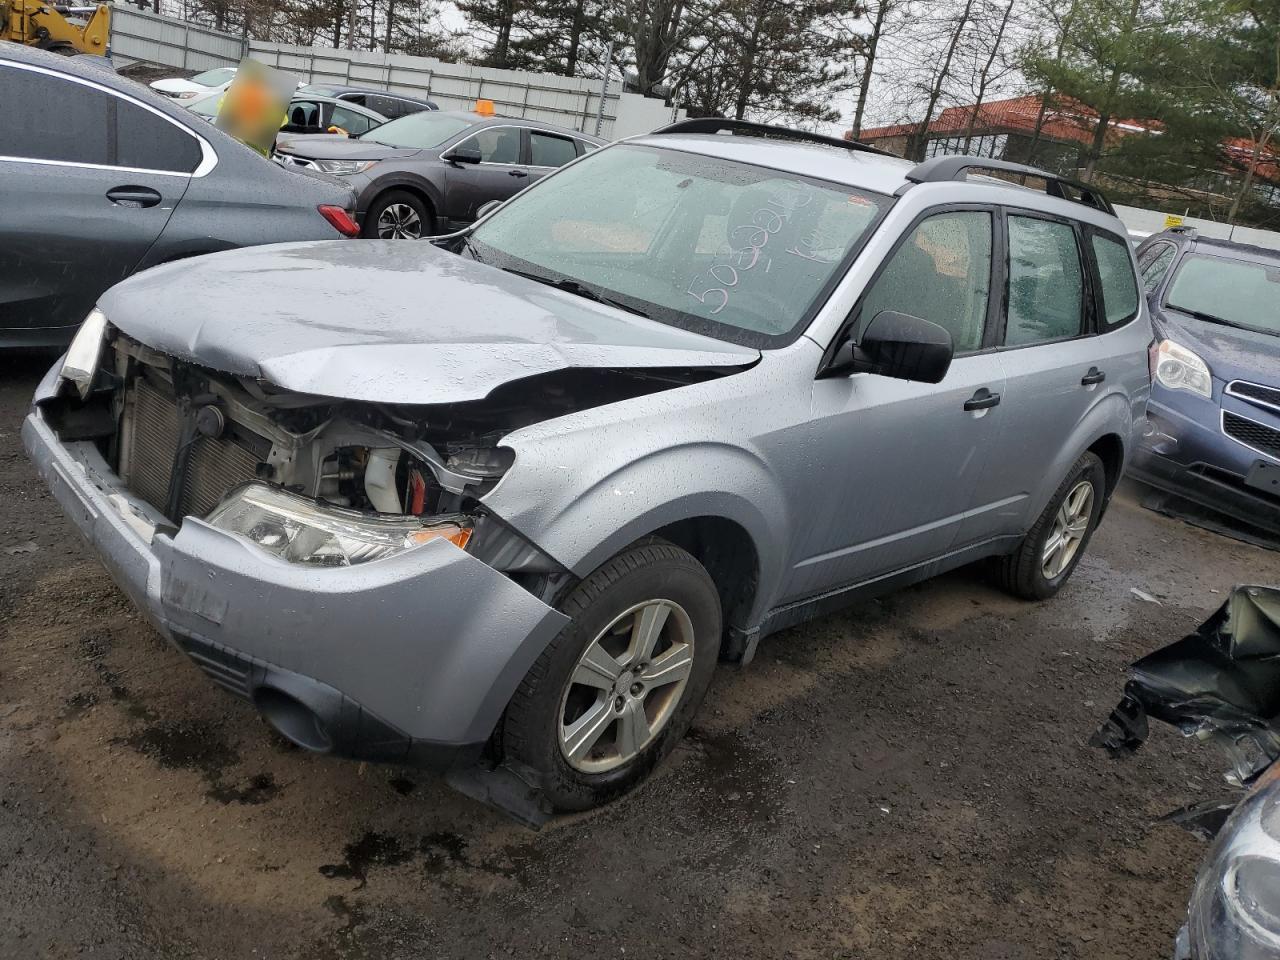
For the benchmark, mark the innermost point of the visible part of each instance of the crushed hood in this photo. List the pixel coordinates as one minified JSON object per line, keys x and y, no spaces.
{"x":390,"y":321}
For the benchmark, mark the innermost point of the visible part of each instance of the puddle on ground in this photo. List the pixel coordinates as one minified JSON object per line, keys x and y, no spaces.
{"x":183,"y":746}
{"x":373,"y":848}
{"x":260,"y":788}
{"x":442,"y":852}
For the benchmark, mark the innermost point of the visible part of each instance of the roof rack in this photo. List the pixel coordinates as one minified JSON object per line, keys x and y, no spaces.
{"x":767,"y":131}
{"x":941,"y":169}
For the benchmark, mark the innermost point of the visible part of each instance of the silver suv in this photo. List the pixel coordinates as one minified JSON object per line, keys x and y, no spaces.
{"x":498,"y":504}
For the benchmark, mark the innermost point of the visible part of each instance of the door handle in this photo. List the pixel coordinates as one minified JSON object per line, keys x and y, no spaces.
{"x":1093,"y":376}
{"x":982,"y":400}
{"x":517,"y":173}
{"x":133,"y":196}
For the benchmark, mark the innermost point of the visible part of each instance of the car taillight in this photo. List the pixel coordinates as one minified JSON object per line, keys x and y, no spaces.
{"x":340,"y":219}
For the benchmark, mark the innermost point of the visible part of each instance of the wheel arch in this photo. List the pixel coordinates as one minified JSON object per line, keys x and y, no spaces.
{"x":730,"y":556}
{"x":415,"y":187}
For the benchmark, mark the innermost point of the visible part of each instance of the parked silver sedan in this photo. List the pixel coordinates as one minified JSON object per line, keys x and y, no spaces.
{"x":499,"y":505}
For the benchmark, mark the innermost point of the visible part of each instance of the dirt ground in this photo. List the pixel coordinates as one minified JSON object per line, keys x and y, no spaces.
{"x":909,"y":778}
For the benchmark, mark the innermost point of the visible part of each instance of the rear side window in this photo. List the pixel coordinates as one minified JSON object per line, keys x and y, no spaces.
{"x":1119,"y":288}
{"x":1046,"y":283}
{"x":49,"y":118}
{"x":549,"y":151}
{"x":149,"y":142}
{"x":1157,"y":265}
{"x":942,"y":273}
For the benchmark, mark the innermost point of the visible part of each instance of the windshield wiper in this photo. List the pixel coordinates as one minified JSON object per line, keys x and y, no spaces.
{"x":570,"y":285}
{"x":1210,"y":318}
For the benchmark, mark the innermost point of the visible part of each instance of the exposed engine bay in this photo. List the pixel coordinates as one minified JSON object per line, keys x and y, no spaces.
{"x":183,"y":437}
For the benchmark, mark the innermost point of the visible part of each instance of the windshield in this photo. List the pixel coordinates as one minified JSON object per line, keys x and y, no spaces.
{"x":729,"y":249}
{"x":1236,"y":292}
{"x":213,"y":78}
{"x":206,"y":105}
{"x":420,"y":131}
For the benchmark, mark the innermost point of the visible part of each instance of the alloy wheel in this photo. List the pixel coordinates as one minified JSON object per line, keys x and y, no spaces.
{"x":1069,"y":528}
{"x":399,"y":221}
{"x":625,"y":686}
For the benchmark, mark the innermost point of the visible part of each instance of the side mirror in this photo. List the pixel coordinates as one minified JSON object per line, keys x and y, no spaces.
{"x":487,"y":207}
{"x":897,"y":345}
{"x":462,"y":155}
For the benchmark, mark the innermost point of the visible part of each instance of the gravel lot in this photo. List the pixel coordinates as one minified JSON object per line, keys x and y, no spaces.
{"x":909,"y":778}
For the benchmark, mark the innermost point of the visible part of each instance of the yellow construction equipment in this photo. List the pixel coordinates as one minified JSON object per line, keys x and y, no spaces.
{"x":46,"y":26}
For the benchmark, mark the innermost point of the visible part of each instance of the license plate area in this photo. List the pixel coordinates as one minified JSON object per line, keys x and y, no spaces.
{"x":1265,"y":477}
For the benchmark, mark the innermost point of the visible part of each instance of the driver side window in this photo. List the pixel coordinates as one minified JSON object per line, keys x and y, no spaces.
{"x":942,"y":273}
{"x":497,"y":144}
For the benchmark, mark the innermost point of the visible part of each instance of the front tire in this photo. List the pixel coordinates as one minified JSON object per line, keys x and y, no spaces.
{"x":1047,"y":555}
{"x":398,"y":215}
{"x":615,"y":691}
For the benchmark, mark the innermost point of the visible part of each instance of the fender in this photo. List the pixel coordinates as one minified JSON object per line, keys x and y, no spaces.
{"x":659,"y":489}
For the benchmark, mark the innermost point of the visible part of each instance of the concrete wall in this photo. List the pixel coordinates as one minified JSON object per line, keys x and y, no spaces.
{"x":1142,"y":222}
{"x":568,"y":101}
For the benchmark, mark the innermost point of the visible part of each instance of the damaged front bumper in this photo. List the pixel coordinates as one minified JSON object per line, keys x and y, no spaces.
{"x":408,"y":659}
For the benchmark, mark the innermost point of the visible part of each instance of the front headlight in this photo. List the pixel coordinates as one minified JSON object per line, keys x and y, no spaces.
{"x":186,"y":94}
{"x":1235,"y":908}
{"x":344,"y":168}
{"x":299,"y":530}
{"x":1179,"y":369}
{"x":81,"y":361}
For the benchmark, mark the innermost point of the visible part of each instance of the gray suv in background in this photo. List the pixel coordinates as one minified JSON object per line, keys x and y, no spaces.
{"x":101,"y":177}
{"x":497,"y":505}
{"x":431,"y":172}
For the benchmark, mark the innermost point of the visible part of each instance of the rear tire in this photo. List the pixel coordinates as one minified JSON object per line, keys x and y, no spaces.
{"x":398,"y":215}
{"x":615,"y":691}
{"x":1047,"y":555}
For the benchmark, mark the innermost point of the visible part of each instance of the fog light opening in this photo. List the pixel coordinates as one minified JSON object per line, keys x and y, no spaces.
{"x":294,"y":720}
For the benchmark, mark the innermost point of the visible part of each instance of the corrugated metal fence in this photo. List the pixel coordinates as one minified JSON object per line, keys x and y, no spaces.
{"x":569,"y":101}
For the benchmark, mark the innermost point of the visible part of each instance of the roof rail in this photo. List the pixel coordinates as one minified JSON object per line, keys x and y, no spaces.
{"x":765,"y":130}
{"x":956,"y":167}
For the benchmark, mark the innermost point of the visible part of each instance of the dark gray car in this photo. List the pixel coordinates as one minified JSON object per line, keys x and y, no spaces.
{"x":101,"y":178}
{"x":430,"y":172}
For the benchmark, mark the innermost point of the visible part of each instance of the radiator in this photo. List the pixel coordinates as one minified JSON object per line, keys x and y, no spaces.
{"x":215,"y":465}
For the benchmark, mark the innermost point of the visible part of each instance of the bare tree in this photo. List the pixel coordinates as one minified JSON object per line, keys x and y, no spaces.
{"x":938,"y":79}
{"x":988,"y":70}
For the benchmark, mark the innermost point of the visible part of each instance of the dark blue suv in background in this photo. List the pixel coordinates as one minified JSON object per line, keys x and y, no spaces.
{"x":1214,"y":435}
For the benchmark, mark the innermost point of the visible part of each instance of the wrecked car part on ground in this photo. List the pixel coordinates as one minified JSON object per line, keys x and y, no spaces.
{"x":497,"y":505}
{"x":1221,"y":683}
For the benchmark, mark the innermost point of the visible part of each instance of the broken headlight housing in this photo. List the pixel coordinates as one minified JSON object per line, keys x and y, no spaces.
{"x":299,"y":530}
{"x":81,"y":362}
{"x":1235,"y":908}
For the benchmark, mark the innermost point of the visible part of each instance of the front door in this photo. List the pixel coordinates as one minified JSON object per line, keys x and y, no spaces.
{"x":906,"y":459}
{"x":500,"y":174}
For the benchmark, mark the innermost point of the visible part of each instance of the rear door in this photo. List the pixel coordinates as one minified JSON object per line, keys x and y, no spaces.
{"x":1051,"y":362}
{"x":501,"y":172}
{"x":88,"y":180}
